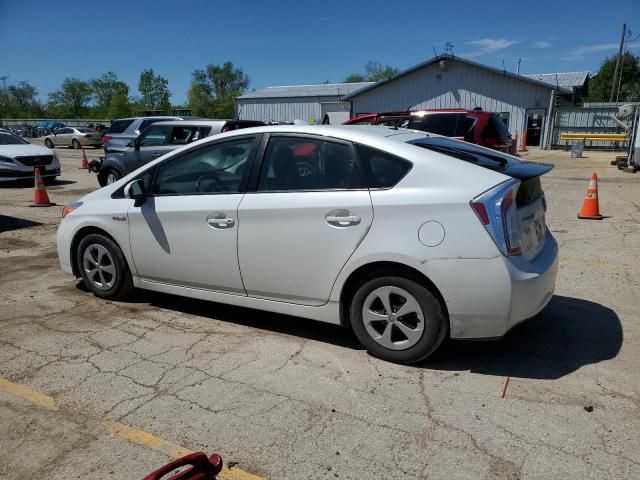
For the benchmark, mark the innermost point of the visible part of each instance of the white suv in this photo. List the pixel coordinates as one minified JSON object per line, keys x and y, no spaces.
{"x":401,"y":235}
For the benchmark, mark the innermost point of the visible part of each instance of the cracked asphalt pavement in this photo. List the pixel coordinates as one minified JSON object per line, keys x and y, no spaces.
{"x":288,"y":398}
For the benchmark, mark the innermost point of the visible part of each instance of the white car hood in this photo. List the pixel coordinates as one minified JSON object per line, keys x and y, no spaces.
{"x":23,"y":150}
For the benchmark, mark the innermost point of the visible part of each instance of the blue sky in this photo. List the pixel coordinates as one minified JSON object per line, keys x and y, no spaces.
{"x":298,"y":42}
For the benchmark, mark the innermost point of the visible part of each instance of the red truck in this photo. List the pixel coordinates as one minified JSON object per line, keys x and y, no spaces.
{"x":475,"y":126}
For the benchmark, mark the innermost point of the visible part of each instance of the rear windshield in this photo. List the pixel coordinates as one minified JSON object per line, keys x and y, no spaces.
{"x":463,"y":151}
{"x":447,"y":124}
{"x":119,"y":126}
{"x":497,"y":129}
{"x":7,"y":138}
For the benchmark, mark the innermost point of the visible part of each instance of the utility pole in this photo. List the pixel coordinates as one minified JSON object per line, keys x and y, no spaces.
{"x":3,"y":79}
{"x":518,"y":66}
{"x":615,"y":73}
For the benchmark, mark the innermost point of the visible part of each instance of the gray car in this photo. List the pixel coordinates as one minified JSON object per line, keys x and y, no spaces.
{"x":122,"y":130}
{"x":158,"y":139}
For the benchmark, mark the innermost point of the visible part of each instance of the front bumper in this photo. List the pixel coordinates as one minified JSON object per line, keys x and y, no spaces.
{"x":9,"y":175}
{"x":485,"y":298}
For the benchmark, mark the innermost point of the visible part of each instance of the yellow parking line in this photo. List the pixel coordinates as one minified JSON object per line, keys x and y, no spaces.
{"x":147,"y":439}
{"x":34,"y":396}
{"x":574,"y":261}
{"x":130,"y":434}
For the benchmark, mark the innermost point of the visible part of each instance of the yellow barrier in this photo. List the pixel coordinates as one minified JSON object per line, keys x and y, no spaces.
{"x":612,"y":137}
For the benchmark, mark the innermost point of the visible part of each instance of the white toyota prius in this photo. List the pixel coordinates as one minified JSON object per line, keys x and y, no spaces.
{"x":403,"y":236}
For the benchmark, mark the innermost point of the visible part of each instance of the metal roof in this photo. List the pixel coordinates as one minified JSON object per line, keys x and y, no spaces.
{"x":321,"y":90}
{"x":433,"y":60}
{"x":562,"y":79}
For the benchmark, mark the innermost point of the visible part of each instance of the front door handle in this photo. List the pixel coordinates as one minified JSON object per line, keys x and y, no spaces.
{"x":220,"y":221}
{"x":342,"y":218}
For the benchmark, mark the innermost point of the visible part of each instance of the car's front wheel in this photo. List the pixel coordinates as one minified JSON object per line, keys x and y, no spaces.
{"x":397,"y":319}
{"x":108,"y":176}
{"x":75,"y":144}
{"x":103,"y":267}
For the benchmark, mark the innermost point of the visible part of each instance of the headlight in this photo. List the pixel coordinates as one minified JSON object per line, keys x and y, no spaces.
{"x":67,"y":209}
{"x":6,"y":159}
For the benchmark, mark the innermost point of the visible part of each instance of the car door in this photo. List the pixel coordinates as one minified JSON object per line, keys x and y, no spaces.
{"x":185,"y":232}
{"x":149,"y":146}
{"x":307,"y":215}
{"x":63,"y":137}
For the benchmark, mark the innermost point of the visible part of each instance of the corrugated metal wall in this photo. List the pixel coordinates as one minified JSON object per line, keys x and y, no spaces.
{"x":459,"y":86}
{"x":282,"y":109}
{"x":591,"y":118}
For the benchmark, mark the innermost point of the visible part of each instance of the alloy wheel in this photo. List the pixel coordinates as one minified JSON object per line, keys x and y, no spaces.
{"x":393,"y":318}
{"x":99,"y":266}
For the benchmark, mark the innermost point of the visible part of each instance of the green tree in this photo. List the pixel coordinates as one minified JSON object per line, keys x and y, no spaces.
{"x":20,"y":101}
{"x":600,"y":83}
{"x":104,"y":89}
{"x":72,"y":98}
{"x":154,"y":91}
{"x":119,"y":105}
{"x":373,"y":72}
{"x":212,"y":91}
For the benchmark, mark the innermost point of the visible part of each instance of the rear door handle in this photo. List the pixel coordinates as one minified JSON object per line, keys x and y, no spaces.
{"x":220,"y":221}
{"x":342,"y":218}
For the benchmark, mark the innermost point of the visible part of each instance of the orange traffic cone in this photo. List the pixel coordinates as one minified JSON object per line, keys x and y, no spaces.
{"x":524,"y":141}
{"x":84,"y":165}
{"x":591,"y":205}
{"x":40,"y":196}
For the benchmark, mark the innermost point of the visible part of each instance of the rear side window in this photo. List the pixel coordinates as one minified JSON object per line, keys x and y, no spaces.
{"x":381,"y":169}
{"x":154,"y":136}
{"x":447,"y":124}
{"x":298,"y":164}
{"x":119,"y":126}
{"x":496,"y":129}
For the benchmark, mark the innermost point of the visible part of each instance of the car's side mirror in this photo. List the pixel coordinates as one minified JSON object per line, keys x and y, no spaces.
{"x":135,"y":191}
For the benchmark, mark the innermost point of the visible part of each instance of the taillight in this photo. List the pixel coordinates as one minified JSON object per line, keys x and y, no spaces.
{"x":497,"y":211}
{"x":106,"y":138}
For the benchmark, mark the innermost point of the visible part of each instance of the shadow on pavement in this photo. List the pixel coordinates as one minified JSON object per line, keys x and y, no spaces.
{"x":8,"y":223}
{"x":565,"y":336}
{"x":568,"y":334}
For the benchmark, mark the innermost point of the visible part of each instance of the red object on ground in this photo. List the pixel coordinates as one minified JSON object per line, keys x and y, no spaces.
{"x":40,"y":196}
{"x":202,"y":468}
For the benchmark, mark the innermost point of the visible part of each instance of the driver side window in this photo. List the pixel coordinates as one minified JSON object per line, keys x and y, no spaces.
{"x":217,"y":168}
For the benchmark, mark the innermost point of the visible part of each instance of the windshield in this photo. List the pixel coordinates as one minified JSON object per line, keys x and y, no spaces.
{"x":7,"y":138}
{"x":119,"y":126}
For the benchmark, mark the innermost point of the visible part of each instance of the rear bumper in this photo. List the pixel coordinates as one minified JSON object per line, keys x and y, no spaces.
{"x":485,"y":298}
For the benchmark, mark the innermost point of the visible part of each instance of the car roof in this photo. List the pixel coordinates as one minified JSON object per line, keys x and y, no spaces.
{"x":183,"y":123}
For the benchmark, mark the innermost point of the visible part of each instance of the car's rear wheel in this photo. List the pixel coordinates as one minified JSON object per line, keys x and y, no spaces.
{"x":103,"y":267}
{"x":75,"y":144}
{"x":397,"y":319}
{"x":48,"y":143}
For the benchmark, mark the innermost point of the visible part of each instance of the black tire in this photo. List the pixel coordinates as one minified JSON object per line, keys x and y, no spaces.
{"x":435,"y":322}
{"x":48,"y":143}
{"x":122,"y":283}
{"x":75,"y":144}
{"x":108,"y":176}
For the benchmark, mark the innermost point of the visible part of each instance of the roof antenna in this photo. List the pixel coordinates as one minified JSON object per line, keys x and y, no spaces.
{"x":434,"y":51}
{"x":504,"y":69}
{"x":449,"y":48}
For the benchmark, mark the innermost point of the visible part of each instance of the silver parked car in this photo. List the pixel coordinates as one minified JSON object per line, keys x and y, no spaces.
{"x":404,"y":236}
{"x":158,"y":139}
{"x":18,"y":158}
{"x":76,"y":137}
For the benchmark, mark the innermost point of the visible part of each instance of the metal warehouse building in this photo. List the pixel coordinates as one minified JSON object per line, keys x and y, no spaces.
{"x":310,"y":103}
{"x":451,"y":82}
